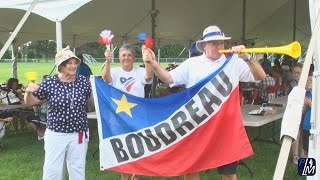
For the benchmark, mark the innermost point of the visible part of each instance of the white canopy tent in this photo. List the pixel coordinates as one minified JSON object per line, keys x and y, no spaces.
{"x":273,"y":22}
{"x":266,"y":22}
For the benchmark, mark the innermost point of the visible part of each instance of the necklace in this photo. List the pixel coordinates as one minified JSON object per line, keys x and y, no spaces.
{"x":69,"y":96}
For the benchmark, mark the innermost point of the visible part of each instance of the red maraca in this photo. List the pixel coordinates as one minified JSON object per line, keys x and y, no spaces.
{"x":105,"y":38}
{"x":148,"y":41}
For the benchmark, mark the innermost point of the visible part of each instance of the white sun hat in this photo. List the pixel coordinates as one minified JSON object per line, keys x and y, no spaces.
{"x":64,"y":55}
{"x":211,"y":33}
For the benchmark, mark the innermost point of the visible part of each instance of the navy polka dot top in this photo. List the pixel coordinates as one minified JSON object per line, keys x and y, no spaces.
{"x":63,"y":115}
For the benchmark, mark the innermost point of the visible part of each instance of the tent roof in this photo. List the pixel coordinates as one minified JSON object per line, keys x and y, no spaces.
{"x":267,"y":22}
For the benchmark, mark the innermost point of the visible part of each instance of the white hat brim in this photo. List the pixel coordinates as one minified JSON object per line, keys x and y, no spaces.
{"x":199,"y":44}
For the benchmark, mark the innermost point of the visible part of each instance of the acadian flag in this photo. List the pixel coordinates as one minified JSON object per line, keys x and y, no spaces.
{"x":190,"y":131}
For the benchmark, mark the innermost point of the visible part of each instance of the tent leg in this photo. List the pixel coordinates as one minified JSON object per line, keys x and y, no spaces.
{"x":15,"y":32}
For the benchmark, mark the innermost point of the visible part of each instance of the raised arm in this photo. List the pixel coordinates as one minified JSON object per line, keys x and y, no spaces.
{"x":256,"y":70}
{"x":255,"y":67}
{"x":106,"y":75}
{"x":149,"y":71}
{"x":29,"y":98}
{"x":150,"y":60}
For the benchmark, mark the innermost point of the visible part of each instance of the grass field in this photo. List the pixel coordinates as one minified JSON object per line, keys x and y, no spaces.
{"x":23,"y":155}
{"x":41,"y":69}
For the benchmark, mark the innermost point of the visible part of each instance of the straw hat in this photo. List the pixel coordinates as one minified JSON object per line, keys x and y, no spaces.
{"x":211,"y":33}
{"x":64,"y":55}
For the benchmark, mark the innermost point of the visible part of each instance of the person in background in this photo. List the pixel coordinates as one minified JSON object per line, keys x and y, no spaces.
{"x":38,"y":120}
{"x":276,"y":62}
{"x":306,"y":124}
{"x":67,"y":133}
{"x":127,"y":78}
{"x":296,"y":73}
{"x":13,"y":96}
{"x":83,"y":69}
{"x":262,"y":85}
{"x":196,"y":68}
{"x":286,"y":69}
{"x":276,"y":75}
{"x":4,"y":118}
{"x":265,"y":62}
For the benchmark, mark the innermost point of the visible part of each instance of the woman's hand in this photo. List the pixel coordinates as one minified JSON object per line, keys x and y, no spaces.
{"x":108,"y":55}
{"x":32,"y":87}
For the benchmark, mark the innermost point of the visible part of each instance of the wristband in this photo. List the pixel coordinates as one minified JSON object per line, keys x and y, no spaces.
{"x":248,"y":59}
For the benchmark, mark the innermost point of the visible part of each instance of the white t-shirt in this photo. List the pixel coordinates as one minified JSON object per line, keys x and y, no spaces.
{"x":130,"y":82}
{"x":196,"y":68}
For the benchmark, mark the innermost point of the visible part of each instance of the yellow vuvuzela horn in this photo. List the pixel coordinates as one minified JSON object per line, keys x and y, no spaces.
{"x":293,"y":50}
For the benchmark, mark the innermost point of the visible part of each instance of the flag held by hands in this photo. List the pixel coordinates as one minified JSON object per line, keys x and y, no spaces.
{"x":193,"y":130}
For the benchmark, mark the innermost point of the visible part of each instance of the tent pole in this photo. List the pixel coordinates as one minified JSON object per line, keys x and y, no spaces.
{"x":154,"y":14}
{"x":58,"y":40}
{"x":74,"y":42}
{"x":14,"y":61}
{"x":17,"y":29}
{"x":244,"y":8}
{"x":287,"y":140}
{"x":294,"y":19}
{"x":59,"y":35}
{"x":314,"y":140}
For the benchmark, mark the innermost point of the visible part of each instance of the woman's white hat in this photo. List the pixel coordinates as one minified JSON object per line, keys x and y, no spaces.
{"x":64,"y":55}
{"x":211,"y":33}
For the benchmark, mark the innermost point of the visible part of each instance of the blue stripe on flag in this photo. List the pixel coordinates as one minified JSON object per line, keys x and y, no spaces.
{"x":146,"y":112}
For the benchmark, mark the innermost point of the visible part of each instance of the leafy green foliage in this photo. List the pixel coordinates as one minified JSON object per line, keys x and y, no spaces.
{"x":46,"y":49}
{"x":7,"y":54}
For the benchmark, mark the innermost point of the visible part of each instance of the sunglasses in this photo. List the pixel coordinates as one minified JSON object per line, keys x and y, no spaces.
{"x":215,"y":43}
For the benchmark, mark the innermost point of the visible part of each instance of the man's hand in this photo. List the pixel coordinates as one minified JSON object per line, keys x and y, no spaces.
{"x":242,"y":55}
{"x":148,"y":55}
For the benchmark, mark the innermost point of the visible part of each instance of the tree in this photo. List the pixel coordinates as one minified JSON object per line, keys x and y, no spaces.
{"x":173,"y":51}
{"x":7,"y":54}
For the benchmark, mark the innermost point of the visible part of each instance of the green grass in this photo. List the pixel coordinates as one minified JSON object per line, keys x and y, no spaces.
{"x":42,"y":69}
{"x":23,"y":156}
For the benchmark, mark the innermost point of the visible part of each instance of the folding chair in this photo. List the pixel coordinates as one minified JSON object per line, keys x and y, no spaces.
{"x":38,"y":119}
{"x":272,"y":92}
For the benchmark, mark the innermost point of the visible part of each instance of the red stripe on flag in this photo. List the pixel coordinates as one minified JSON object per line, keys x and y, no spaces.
{"x":220,"y":141}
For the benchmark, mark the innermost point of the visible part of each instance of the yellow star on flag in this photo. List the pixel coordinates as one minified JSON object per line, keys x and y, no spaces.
{"x":124,"y":105}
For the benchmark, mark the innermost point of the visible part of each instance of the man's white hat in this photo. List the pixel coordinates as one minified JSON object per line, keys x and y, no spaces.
{"x":211,"y":33}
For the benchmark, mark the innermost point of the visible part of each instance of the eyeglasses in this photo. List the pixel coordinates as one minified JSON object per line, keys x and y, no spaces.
{"x":295,"y":72}
{"x":215,"y":43}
